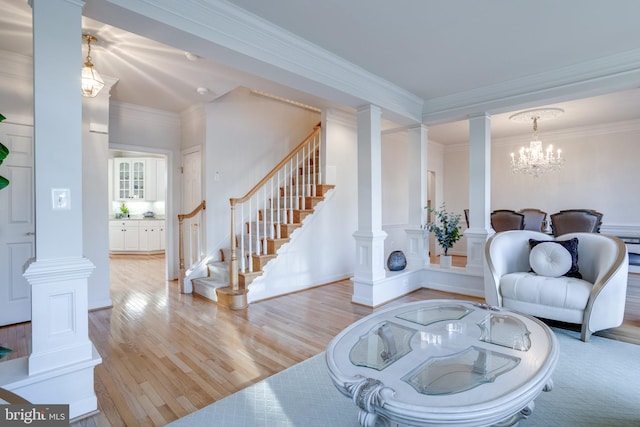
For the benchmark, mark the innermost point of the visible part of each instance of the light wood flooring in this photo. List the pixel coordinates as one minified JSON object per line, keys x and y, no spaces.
{"x":166,"y":354}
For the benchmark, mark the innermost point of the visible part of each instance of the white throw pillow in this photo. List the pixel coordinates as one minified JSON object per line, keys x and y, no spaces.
{"x":550,"y":259}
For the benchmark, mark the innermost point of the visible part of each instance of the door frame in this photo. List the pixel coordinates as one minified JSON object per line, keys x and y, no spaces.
{"x":171,"y":270}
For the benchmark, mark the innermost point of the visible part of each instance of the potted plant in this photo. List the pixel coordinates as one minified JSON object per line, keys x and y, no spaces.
{"x":4,"y":152}
{"x":446,"y":228}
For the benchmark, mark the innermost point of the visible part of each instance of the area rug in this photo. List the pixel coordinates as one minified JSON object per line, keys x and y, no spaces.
{"x":596,"y":384}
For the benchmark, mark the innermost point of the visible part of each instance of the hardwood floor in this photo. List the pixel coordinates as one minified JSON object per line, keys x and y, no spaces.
{"x":166,"y":354}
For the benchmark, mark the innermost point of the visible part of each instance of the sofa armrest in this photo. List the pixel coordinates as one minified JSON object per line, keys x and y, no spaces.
{"x":603,"y":260}
{"x":507,"y":252}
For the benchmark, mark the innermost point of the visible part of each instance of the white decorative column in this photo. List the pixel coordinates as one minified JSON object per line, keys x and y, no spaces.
{"x":418,"y":238}
{"x":59,"y":369}
{"x":370,"y":236}
{"x":479,"y":191}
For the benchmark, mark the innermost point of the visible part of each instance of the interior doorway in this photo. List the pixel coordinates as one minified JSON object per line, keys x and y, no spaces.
{"x":138,"y":205}
{"x":431,"y":202}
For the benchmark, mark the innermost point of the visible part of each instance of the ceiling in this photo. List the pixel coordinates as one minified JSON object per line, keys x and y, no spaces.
{"x":428,"y":48}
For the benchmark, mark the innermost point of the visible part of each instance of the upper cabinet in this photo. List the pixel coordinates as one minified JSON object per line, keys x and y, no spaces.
{"x":156,"y":179}
{"x":139,"y":178}
{"x":129,"y":175}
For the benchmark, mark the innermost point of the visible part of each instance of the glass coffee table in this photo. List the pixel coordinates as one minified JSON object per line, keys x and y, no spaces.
{"x":443,"y":362}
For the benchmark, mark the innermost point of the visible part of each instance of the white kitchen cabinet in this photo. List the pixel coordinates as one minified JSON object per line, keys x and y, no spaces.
{"x":137,"y":236}
{"x":130,"y":178}
{"x":156,"y":179}
{"x":150,"y":233}
{"x":139,"y":179}
{"x":124,"y":236}
{"x":163,"y":244}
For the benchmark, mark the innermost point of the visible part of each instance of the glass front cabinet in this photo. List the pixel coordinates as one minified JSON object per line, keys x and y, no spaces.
{"x":130,"y":178}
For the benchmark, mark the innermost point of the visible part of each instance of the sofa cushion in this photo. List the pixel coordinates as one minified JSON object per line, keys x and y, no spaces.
{"x":549,"y":259}
{"x":563,"y":291}
{"x":572,"y":246}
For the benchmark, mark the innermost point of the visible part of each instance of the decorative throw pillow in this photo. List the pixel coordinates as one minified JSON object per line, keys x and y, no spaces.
{"x":572,"y":246}
{"x":549,"y":259}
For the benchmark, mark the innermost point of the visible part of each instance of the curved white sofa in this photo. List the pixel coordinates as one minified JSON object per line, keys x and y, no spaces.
{"x":596,"y":301}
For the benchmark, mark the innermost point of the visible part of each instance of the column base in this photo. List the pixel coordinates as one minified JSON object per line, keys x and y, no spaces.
{"x":476,"y":240}
{"x":418,"y":248}
{"x":72,"y":384}
{"x":370,"y":255}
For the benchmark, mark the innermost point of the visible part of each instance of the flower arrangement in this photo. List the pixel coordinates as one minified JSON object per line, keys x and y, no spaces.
{"x":446,"y":227}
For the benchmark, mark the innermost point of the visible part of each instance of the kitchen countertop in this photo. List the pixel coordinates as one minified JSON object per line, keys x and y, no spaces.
{"x":139,"y":218}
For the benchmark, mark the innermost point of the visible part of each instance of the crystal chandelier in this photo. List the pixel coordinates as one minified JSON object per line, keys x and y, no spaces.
{"x":92,"y":83}
{"x":533,"y":160}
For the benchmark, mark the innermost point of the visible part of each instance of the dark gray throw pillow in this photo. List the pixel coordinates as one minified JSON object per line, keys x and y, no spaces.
{"x":572,"y":246}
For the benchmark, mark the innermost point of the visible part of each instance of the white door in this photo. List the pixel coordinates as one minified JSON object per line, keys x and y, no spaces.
{"x":191,"y":180}
{"x":17,"y":227}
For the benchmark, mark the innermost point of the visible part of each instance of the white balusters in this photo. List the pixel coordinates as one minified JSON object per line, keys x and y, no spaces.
{"x":282,"y":191}
{"x":279,"y":235}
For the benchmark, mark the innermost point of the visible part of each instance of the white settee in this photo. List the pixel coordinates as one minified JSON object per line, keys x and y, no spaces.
{"x":596,"y":301}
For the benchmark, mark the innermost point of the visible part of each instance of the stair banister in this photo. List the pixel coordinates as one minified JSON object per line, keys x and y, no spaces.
{"x":233,"y":263}
{"x":181,"y":217}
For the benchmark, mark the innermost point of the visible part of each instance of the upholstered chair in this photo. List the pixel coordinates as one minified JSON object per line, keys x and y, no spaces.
{"x":576,"y":220}
{"x":503,"y":220}
{"x":534,"y":219}
{"x":524,"y":276}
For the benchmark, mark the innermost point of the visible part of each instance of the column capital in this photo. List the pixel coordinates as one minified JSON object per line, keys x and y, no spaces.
{"x":79,"y":3}
{"x":484,"y":115}
{"x":369,"y":107}
{"x":45,"y":271}
{"x":418,"y":126}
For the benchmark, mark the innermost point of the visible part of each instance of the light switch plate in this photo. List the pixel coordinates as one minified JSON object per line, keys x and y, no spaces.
{"x":61,"y":198}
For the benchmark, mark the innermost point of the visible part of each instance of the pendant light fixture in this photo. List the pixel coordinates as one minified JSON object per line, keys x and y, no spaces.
{"x":92,"y":83}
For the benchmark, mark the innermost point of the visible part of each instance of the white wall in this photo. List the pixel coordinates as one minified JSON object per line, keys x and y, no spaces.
{"x":324,"y":250}
{"x":16,"y":87}
{"x":395,"y":186}
{"x":395,"y":191}
{"x":600,"y":171}
{"x":246,"y":136}
{"x":193,"y":127}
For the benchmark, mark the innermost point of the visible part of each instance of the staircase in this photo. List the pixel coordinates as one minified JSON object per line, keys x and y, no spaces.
{"x":263,"y":221}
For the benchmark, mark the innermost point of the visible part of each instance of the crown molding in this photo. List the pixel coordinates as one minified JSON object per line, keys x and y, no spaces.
{"x":144,"y":114}
{"x":589,"y":78}
{"x":314,"y":70}
{"x":622,"y":127}
{"x":627,"y":126}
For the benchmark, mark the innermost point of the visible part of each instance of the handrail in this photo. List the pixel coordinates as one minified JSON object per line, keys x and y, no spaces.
{"x":201,"y":206}
{"x":301,"y":161}
{"x":12,"y":398}
{"x":275,"y":170}
{"x":181,"y":217}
